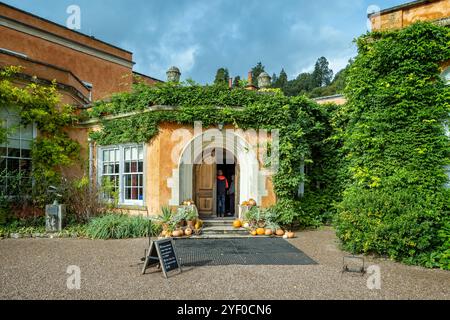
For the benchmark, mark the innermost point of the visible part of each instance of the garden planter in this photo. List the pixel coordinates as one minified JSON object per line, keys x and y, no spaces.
{"x":190,"y":224}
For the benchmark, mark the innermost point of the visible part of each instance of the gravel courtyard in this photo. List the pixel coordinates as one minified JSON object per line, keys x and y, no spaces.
{"x":36,"y":269}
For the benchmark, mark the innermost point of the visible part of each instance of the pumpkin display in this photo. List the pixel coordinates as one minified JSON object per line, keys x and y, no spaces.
{"x":280,"y":233}
{"x":188,"y":232}
{"x":290,"y":235}
{"x":198,"y":224}
{"x":237,"y":224}
{"x":253,"y":233}
{"x":269,"y":232}
{"x":176,"y":234}
{"x":260,"y":231}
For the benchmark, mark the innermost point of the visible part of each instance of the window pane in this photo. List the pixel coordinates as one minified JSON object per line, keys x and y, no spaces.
{"x":141,"y":166}
{"x":26,"y":153}
{"x":134,"y":154}
{"x":127,"y":154}
{"x":13,"y":165}
{"x":14,"y":152}
{"x":27,"y":132}
{"x":127,"y":167}
{"x":2,"y":151}
{"x":141,"y":153}
{"x":106,"y":156}
{"x":2,"y":165}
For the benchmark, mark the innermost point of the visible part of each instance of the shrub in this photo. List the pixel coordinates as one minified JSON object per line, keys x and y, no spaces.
{"x":83,"y":200}
{"x":120,"y":226}
{"x":290,"y":214}
{"x":395,"y":146}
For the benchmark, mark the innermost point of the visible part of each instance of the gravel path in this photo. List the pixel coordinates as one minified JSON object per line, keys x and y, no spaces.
{"x":36,"y":269}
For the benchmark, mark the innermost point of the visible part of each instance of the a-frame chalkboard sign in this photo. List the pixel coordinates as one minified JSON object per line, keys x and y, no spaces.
{"x":162,"y":253}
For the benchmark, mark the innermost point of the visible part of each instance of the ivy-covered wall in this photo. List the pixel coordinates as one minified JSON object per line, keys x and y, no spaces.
{"x":395,"y":147}
{"x":302,"y":123}
{"x":53,"y":149}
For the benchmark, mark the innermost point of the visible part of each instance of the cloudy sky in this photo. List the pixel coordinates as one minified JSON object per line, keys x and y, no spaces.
{"x":201,"y":36}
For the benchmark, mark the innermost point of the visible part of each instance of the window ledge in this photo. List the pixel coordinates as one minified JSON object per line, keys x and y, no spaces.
{"x":132,"y":207}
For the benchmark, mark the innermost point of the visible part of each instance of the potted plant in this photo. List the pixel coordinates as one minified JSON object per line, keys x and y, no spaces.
{"x":165,"y":218}
{"x":191,"y":217}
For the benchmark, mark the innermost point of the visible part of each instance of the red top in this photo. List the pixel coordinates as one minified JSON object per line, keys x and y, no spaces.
{"x":221,"y":178}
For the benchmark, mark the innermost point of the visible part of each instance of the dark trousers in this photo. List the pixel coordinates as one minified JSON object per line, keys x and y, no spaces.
{"x":221,"y":205}
{"x":232,"y":204}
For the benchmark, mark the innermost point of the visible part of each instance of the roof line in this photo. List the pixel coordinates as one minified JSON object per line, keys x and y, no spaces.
{"x":64,"y":27}
{"x":401,"y":6}
{"x":7,"y":52}
{"x":144,"y":75}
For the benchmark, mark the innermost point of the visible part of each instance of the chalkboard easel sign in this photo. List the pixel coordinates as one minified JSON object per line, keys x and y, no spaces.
{"x":162,"y":252}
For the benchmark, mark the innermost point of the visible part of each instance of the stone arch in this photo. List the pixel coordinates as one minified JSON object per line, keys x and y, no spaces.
{"x":252,"y":180}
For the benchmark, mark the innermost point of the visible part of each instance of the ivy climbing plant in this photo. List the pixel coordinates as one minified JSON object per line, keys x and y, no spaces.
{"x":394,"y":142}
{"x":298,"y":120}
{"x":40,"y":105}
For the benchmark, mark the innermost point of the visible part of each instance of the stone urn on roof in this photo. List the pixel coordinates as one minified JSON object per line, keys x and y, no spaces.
{"x":173,"y":74}
{"x":264,"y":80}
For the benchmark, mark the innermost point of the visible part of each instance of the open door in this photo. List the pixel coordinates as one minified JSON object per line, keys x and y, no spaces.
{"x":205,"y":189}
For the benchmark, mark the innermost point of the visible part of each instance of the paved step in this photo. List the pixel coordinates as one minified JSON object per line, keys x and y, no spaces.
{"x":218,"y":222}
{"x":214,"y":230}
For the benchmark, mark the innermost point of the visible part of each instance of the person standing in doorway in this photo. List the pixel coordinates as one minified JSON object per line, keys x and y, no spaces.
{"x":222,"y":186}
{"x":231,"y":194}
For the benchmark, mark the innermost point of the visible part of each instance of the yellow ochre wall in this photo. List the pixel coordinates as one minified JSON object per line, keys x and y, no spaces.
{"x":160,"y":166}
{"x":404,"y":16}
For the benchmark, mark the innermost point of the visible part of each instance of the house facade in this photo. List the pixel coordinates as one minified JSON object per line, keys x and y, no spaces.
{"x":181,"y":163}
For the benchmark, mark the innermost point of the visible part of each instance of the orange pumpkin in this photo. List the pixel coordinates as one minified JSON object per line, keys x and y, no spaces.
{"x":188,"y":231}
{"x":253,"y":233}
{"x":237,"y":224}
{"x":260,"y":231}
{"x":290,"y":235}
{"x":280,"y":233}
{"x":252,"y":203}
{"x":269,"y":232}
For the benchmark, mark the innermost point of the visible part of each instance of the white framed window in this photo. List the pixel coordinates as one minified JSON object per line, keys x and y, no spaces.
{"x":15,"y":153}
{"x":121,"y":169}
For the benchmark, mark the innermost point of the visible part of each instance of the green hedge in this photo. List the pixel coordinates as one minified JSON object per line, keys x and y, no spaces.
{"x":395,"y":202}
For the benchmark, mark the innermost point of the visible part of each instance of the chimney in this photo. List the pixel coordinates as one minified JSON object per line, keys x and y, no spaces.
{"x":230,"y":83}
{"x":250,"y":78}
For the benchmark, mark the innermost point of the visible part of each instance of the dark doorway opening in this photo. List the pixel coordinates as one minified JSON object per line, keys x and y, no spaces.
{"x":229,"y":171}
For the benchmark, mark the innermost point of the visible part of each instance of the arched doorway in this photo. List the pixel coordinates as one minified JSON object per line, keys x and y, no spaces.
{"x":208,"y":189}
{"x":250,"y":179}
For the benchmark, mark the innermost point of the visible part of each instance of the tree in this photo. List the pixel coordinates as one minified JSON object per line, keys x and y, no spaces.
{"x":282,"y":80}
{"x":256,"y":71}
{"x":236,"y":80}
{"x":274,"y":80}
{"x":322,"y":74}
{"x":222,"y":76}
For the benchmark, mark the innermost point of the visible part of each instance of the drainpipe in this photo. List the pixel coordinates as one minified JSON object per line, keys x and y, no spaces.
{"x":301,"y":187}
{"x":91,"y":163}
